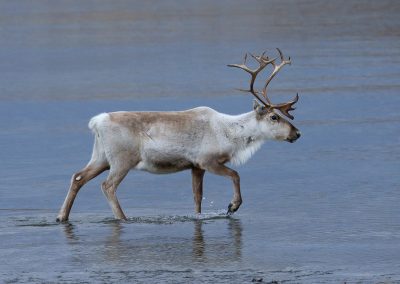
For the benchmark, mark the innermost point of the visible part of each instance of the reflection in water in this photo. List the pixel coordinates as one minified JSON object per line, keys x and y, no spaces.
{"x":198,"y":240}
{"x":69,"y":232}
{"x":113,"y":244}
{"x":235,"y":228}
{"x":203,"y":245}
{"x":232,"y":246}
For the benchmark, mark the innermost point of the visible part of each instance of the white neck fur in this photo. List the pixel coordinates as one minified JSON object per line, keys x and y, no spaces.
{"x":247,"y":138}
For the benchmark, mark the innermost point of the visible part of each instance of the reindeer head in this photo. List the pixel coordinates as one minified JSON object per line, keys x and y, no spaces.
{"x":267,"y":114}
{"x":274,"y":124}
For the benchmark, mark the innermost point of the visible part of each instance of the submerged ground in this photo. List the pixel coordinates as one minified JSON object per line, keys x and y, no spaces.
{"x":324,"y":209}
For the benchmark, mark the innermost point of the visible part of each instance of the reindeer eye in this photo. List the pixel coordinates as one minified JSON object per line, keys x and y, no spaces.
{"x":274,"y":117}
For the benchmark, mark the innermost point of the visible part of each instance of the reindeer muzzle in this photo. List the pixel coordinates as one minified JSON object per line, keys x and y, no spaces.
{"x":294,"y":136}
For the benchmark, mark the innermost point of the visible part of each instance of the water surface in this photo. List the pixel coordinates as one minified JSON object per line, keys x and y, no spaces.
{"x":321,"y":210}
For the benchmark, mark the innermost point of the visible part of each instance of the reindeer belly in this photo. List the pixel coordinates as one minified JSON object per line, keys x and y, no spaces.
{"x":164,"y":166}
{"x":166,"y":154}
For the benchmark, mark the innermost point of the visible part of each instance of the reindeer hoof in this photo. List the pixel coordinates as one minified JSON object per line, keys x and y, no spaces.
{"x":61,"y":220}
{"x":232,"y":209}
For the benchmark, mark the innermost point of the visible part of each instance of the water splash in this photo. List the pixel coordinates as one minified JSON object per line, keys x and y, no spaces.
{"x":172,"y":219}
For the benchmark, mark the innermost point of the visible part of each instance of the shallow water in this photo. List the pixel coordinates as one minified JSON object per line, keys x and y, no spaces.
{"x":321,"y":210}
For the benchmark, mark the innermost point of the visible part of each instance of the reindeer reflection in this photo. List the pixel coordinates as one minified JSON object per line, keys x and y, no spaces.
{"x":229,"y":248}
{"x":205,"y":245}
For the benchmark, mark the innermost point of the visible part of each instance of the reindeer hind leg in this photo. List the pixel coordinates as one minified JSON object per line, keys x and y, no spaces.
{"x":109,"y":188}
{"x":96,"y":166}
{"x":77,"y":181}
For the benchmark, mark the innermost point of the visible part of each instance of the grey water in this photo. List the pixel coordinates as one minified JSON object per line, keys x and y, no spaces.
{"x":322,"y":210}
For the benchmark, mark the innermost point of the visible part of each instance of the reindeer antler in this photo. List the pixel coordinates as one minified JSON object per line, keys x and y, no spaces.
{"x":263,"y":62}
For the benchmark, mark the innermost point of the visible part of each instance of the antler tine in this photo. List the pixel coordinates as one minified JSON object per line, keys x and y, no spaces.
{"x":262,"y":60}
{"x":274,"y":72}
{"x":282,"y":57}
{"x":280,"y":54}
{"x":286,"y":107}
{"x":245,"y":59}
{"x":243,"y":66}
{"x":258,"y":58}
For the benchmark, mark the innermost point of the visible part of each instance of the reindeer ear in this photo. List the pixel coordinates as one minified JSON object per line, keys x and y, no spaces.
{"x":255,"y":104}
{"x":259,"y":109}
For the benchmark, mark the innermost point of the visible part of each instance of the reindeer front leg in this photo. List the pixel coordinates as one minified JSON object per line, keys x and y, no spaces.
{"x":197,"y":186}
{"x":222,"y":170}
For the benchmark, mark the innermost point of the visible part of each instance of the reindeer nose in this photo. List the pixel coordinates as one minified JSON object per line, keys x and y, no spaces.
{"x":298,"y":133}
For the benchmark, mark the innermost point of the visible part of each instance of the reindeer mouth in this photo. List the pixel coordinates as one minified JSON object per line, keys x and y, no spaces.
{"x":291,"y":140}
{"x":294,"y":137}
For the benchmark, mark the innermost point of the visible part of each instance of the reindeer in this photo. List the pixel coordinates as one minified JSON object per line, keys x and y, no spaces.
{"x":199,"y":139}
